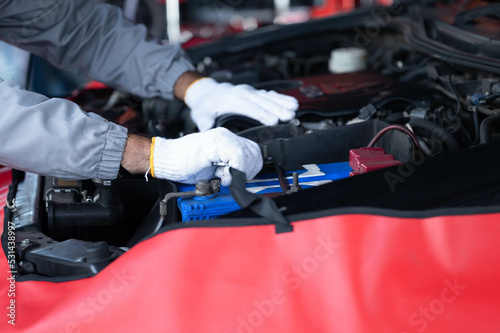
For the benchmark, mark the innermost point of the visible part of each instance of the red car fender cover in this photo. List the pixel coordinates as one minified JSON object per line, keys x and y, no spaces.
{"x":346,"y":273}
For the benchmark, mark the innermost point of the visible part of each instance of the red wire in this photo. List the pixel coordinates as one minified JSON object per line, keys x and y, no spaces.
{"x":399,"y":128}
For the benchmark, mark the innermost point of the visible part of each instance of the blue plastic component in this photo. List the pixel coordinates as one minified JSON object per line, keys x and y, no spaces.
{"x":204,"y":208}
{"x":478,"y":99}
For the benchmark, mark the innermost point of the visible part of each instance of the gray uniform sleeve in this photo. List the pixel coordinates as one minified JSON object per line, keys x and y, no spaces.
{"x":55,"y":137}
{"x":93,"y":39}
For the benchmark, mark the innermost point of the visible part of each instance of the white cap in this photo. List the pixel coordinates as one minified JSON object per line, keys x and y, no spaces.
{"x":348,"y":60}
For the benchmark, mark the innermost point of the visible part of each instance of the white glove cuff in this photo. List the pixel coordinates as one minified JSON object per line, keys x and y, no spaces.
{"x":198,"y":89}
{"x":163,"y":160}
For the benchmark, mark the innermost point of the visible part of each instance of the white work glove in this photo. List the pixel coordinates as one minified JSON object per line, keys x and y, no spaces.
{"x":190,"y":158}
{"x":208,"y":100}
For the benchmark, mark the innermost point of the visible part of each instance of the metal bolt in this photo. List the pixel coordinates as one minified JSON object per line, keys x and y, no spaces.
{"x":25,"y":242}
{"x":203,"y":187}
{"x":215,"y":185}
{"x":265,"y":154}
{"x":295,"y":185}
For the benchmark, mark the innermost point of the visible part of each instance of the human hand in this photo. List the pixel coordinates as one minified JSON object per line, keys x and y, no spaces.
{"x":209,"y":99}
{"x":192,"y":157}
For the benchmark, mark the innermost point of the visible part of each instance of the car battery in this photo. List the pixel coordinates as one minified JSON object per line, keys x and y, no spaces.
{"x":209,"y":207}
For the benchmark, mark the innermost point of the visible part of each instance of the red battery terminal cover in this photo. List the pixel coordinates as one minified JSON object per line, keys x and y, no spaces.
{"x":364,"y":160}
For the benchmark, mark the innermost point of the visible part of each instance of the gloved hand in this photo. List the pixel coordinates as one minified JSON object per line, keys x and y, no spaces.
{"x":209,"y":100}
{"x":190,"y":158}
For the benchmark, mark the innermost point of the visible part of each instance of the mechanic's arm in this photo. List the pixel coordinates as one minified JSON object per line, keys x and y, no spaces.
{"x":192,"y":157}
{"x":94,"y":40}
{"x":54,"y":137}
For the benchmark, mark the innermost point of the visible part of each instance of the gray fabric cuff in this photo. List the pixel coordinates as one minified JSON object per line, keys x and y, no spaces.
{"x":167,"y":78}
{"x":111,"y":157}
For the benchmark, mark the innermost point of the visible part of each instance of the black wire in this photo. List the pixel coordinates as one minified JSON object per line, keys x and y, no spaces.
{"x":476,"y":126}
{"x":457,"y":98}
{"x":396,"y":127}
{"x":281,"y":178}
{"x":492,"y":97}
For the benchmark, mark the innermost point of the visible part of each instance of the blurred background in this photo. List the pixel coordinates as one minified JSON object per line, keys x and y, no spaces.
{"x":186,"y":22}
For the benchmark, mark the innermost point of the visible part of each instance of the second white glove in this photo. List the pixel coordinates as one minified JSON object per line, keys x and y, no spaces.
{"x":190,"y":158}
{"x":209,"y":99}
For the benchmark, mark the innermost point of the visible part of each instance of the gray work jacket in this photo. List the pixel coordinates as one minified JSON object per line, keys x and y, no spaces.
{"x":53,"y":136}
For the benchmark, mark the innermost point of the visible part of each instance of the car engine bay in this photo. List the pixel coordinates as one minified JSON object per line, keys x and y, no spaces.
{"x":416,"y":99}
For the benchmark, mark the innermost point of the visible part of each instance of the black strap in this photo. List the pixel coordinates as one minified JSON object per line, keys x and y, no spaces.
{"x":262,"y":206}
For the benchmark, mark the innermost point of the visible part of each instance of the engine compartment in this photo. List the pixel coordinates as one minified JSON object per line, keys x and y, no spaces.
{"x":447,"y":108}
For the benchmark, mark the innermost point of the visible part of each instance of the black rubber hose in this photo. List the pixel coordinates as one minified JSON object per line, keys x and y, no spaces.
{"x":485,"y":129}
{"x":434,"y":130}
{"x":412,"y":75}
{"x":396,"y":118}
